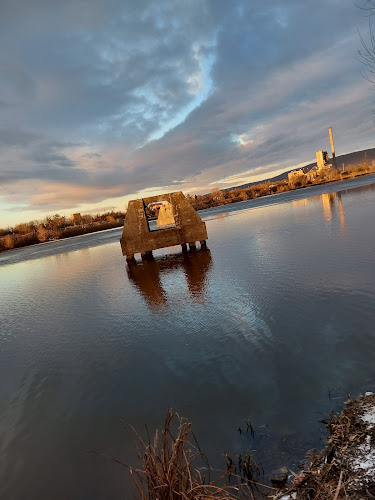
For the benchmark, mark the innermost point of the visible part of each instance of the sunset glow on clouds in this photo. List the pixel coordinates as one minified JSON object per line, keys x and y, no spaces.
{"x":103,"y":101}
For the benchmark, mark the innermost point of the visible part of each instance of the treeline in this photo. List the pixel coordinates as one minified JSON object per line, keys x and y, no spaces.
{"x":224,"y":197}
{"x":56,"y":227}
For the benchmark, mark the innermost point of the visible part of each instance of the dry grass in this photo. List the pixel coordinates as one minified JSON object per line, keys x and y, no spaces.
{"x":329,"y":475}
{"x":173,"y":467}
{"x":168,"y":468}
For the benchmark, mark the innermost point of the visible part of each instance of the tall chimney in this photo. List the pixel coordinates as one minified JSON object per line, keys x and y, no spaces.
{"x":332,"y":147}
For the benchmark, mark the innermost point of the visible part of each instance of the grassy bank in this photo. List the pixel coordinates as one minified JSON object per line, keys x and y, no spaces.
{"x":346,"y":467}
{"x":173,"y":466}
{"x":54,"y":228}
{"x":225,"y":197}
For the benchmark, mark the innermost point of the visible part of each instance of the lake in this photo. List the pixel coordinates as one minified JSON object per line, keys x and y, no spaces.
{"x":273,"y":324}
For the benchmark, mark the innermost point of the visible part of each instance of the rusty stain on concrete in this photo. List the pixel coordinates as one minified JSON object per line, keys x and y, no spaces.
{"x":137,"y":237}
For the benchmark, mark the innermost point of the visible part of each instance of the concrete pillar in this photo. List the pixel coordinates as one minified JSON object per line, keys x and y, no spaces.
{"x":184,"y":247}
{"x":149,"y":255}
{"x":192,"y":246}
{"x":130,"y":258}
{"x":203,"y":243}
{"x":144,"y":256}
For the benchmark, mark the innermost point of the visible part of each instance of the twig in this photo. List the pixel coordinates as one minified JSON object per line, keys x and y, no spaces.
{"x":338,"y":487}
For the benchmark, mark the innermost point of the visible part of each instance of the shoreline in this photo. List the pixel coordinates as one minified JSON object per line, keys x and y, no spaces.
{"x":346,"y":467}
{"x":271,"y":195}
{"x":57,"y":240}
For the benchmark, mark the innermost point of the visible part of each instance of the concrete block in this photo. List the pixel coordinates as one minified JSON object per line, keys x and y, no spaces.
{"x":180,"y":224}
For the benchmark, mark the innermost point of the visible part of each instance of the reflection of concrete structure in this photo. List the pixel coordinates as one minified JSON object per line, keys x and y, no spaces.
{"x":329,"y":205}
{"x":148,"y":275}
{"x":342,"y":213}
{"x":137,"y":237}
{"x":328,"y":201}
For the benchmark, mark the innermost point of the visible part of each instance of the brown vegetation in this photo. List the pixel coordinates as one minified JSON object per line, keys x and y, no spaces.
{"x":334,"y":474}
{"x":168,"y":464}
{"x":173,"y":467}
{"x":225,"y":197}
{"x":169,"y":468}
{"x":56,"y":227}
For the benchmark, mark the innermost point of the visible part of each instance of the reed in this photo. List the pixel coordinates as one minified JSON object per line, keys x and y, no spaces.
{"x":168,"y":467}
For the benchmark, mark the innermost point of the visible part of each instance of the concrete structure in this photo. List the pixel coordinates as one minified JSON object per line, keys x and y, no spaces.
{"x":76,"y":218}
{"x":322,"y":161}
{"x":334,"y":164}
{"x":179,"y":225}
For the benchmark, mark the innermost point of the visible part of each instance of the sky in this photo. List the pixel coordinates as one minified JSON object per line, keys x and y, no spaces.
{"x":106,"y":101}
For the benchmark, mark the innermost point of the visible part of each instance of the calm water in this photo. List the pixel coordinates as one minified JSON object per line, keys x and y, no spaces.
{"x":273,"y":324}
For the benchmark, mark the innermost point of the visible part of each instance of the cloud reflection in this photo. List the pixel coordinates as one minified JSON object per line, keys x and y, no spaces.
{"x":148,"y":275}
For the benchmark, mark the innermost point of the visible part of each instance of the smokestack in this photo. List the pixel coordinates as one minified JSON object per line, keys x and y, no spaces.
{"x":332,"y":147}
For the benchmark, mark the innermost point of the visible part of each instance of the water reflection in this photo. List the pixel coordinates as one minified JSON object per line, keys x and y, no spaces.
{"x":329,"y":208}
{"x":328,"y":201}
{"x":341,"y":212}
{"x":147,"y":275}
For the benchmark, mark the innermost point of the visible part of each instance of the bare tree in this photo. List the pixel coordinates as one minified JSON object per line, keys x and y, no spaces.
{"x":367,"y":54}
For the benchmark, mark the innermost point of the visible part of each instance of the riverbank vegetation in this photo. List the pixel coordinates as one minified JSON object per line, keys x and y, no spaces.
{"x":172,"y":465}
{"x":226,"y":196}
{"x":346,"y":468}
{"x":56,"y":227}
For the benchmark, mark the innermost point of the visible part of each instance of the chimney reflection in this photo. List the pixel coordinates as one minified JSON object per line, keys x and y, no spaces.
{"x":147,"y":275}
{"x":329,"y":205}
{"x":328,"y":201}
{"x":342,"y":213}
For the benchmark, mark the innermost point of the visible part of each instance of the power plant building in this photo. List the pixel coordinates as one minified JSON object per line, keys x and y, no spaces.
{"x":322,"y":160}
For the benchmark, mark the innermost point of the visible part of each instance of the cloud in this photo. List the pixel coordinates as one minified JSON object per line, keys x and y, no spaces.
{"x":101,"y":101}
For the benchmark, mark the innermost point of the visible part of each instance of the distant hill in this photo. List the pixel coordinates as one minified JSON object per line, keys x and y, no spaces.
{"x":349,"y":159}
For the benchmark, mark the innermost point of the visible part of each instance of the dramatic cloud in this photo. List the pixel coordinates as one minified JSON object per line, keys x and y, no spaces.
{"x":103,"y":100}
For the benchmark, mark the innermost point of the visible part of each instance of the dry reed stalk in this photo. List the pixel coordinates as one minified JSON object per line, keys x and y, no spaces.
{"x":167,"y":468}
{"x":338,"y":487}
{"x":167,"y":471}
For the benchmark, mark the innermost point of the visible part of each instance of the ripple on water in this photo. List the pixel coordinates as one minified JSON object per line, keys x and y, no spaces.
{"x":279,"y":309}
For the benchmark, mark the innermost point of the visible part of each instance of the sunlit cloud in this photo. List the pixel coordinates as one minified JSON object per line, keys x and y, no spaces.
{"x":248,"y":176}
{"x":103,"y":103}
